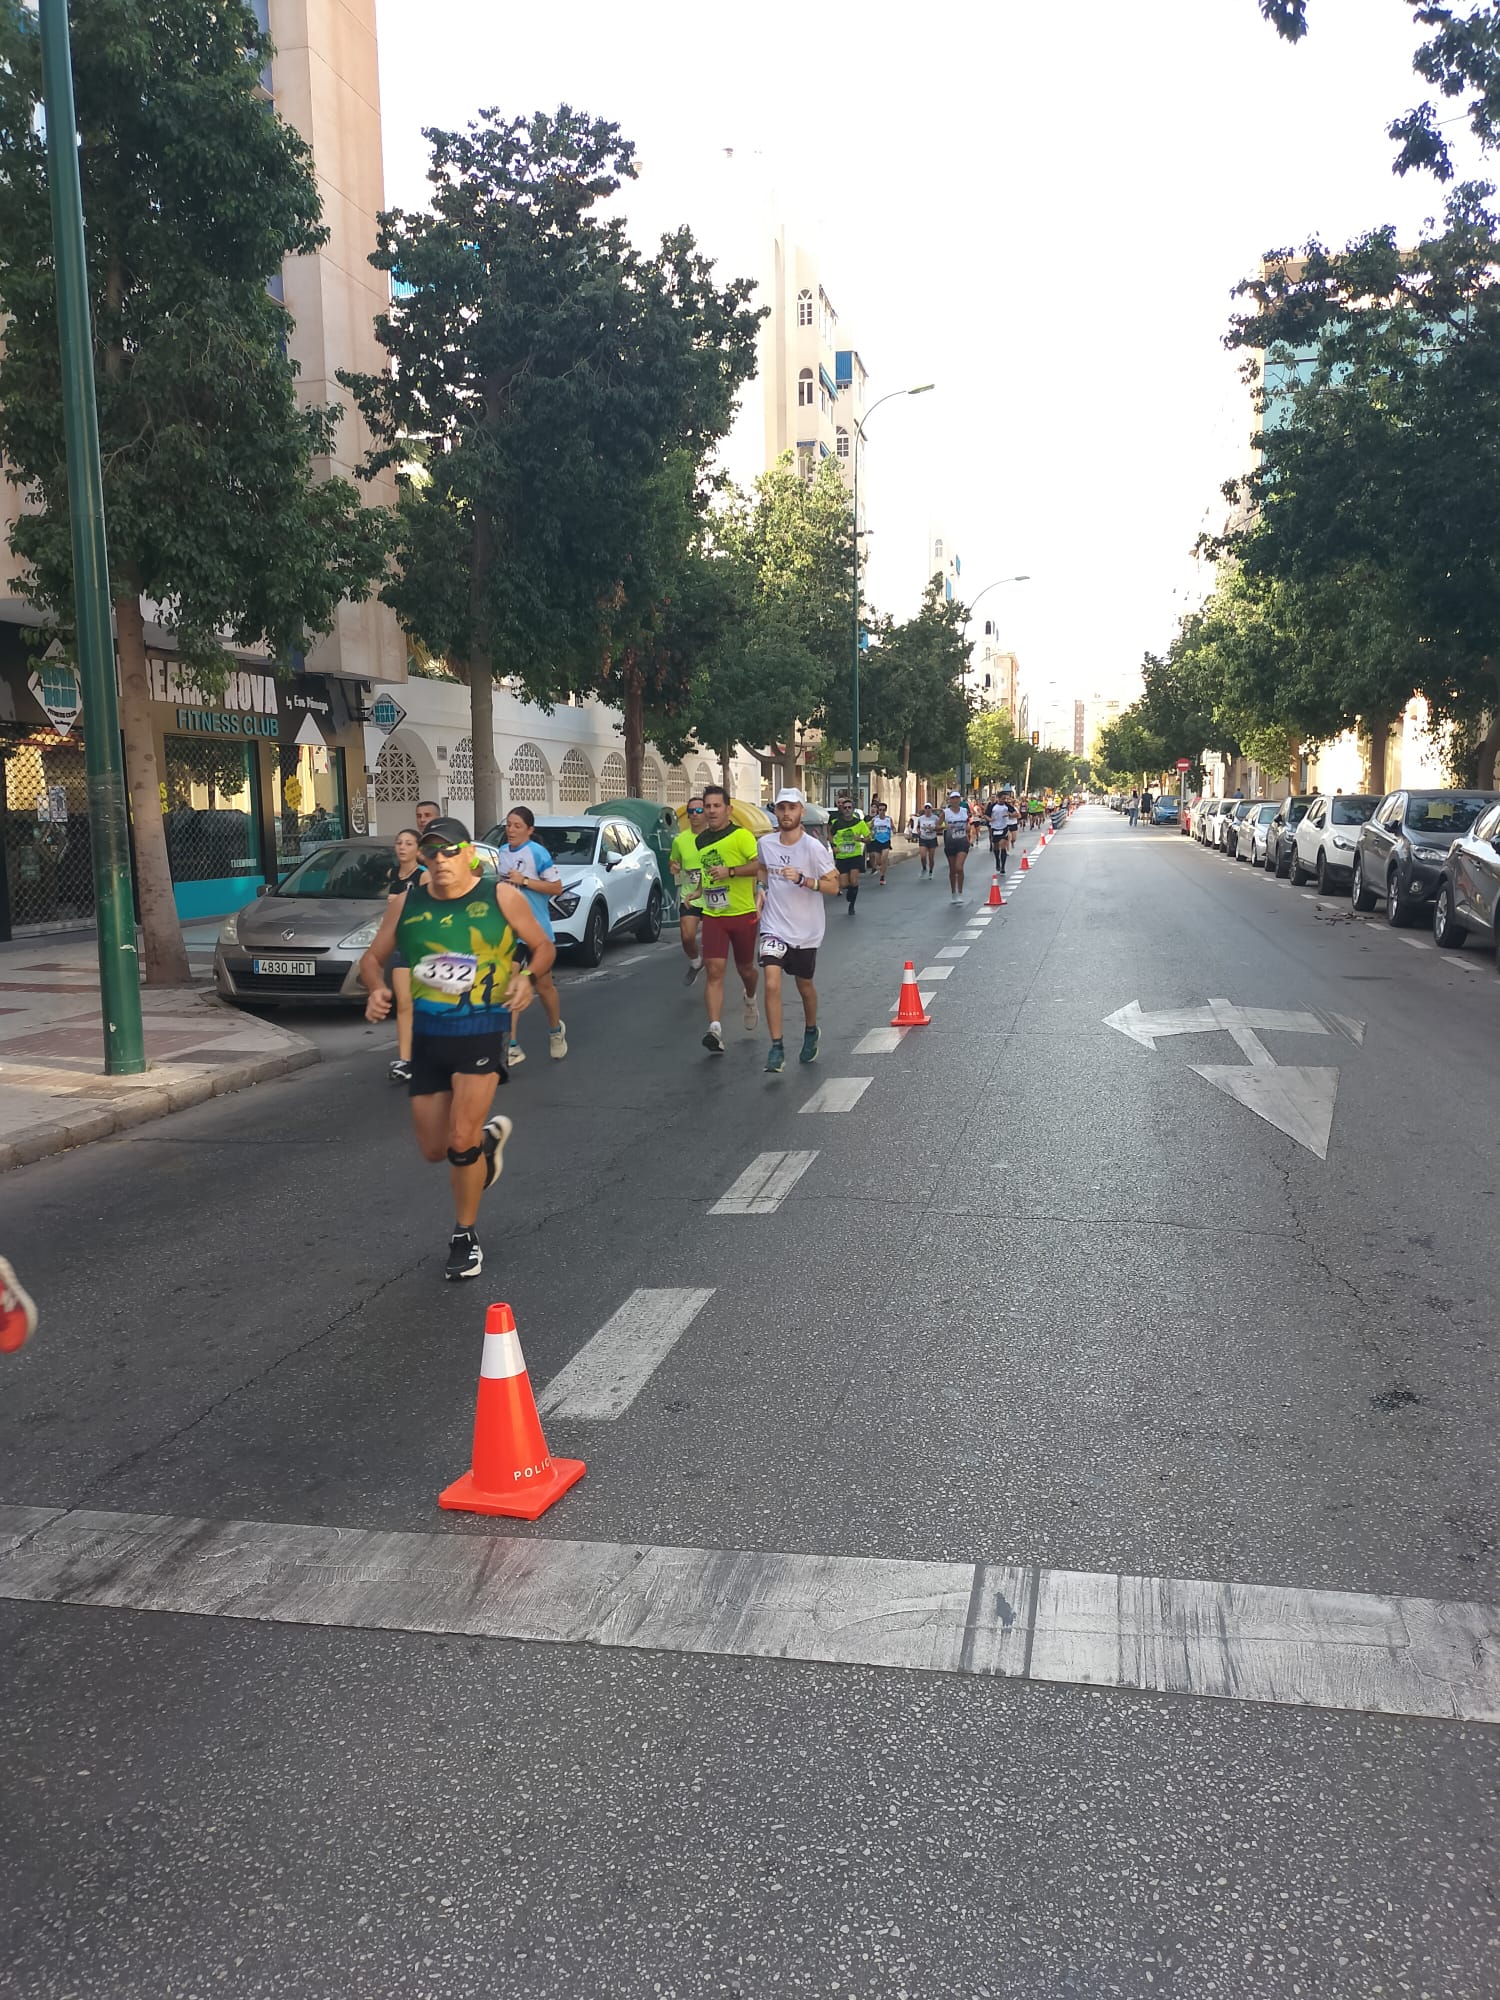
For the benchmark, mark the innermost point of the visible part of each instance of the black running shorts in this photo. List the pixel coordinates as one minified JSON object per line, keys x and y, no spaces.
{"x":437,"y":1059}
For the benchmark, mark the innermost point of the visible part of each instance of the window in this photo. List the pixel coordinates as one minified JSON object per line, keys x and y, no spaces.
{"x":612,"y":778}
{"x":461,"y":770}
{"x":575,"y":780}
{"x":677,"y":786}
{"x":804,"y":308}
{"x":395,"y":777}
{"x":652,"y":779}
{"x":528,"y":777}
{"x":937,"y":551}
{"x":805,"y":390}
{"x":841,"y":441}
{"x":702,"y":776}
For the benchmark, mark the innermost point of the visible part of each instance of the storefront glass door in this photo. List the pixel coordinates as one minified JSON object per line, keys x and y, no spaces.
{"x":210,"y":817}
{"x":308,"y":788}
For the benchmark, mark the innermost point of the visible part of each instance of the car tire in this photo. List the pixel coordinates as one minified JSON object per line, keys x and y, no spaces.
{"x":1359,"y":895}
{"x":1398,"y":912}
{"x":1322,"y":873}
{"x":1296,"y":872}
{"x":591,"y":945}
{"x":1447,"y":931}
{"x":648,"y":930}
{"x":1280,"y":864}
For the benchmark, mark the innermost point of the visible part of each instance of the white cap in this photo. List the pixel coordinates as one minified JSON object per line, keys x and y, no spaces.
{"x":789,"y":796}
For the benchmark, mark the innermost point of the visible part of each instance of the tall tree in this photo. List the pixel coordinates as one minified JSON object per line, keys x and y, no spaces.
{"x":193,"y":195}
{"x":545,"y":375}
{"x":917,"y":711}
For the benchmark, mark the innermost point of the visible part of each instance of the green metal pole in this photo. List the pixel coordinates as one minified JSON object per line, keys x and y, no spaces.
{"x":854,"y":673}
{"x":119,"y":963}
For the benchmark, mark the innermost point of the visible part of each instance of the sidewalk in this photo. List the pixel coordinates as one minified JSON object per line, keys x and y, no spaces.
{"x":53,"y":1090}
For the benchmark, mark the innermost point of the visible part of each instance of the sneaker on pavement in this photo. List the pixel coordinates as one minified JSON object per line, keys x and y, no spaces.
{"x":400,"y":1071}
{"x":694,"y":968}
{"x":811,"y":1042}
{"x":516,"y":1057}
{"x":17,"y":1311}
{"x":752,"y":1015}
{"x":557,"y":1041}
{"x":776,"y":1059}
{"x":713,"y":1041}
{"x":465,"y":1258}
{"x":496,"y":1131}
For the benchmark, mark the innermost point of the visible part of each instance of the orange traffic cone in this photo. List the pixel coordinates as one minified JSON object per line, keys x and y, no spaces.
{"x":513,"y":1472}
{"x":909,"y":1014}
{"x":1025,"y":862}
{"x":997,"y":901}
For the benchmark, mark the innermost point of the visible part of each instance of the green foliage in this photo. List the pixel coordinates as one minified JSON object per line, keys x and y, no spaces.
{"x":912,"y":703}
{"x":996,"y":756}
{"x":193,"y":196}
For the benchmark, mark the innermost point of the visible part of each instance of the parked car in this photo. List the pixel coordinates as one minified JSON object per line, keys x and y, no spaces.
{"x":1167,"y":811}
{"x":303,"y":939}
{"x":1203,"y":818}
{"x":1229,"y":824}
{"x":1277,"y":855}
{"x":1250,"y":831}
{"x":1325,"y":837}
{"x":1218,"y":826}
{"x":1468,"y":893}
{"x":610,"y":882}
{"x":1403,"y":845}
{"x":1189,"y":819}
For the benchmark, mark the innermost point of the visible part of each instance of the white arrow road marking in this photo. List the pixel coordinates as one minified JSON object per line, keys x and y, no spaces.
{"x":1148,"y":1029}
{"x":764,"y":1185}
{"x":607,"y":1374}
{"x":1145,"y":1028}
{"x":1296,"y":1101}
{"x":839,"y":1093}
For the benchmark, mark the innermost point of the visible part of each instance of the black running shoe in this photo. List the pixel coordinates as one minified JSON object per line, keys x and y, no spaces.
{"x":400,"y":1071}
{"x":465,"y":1258}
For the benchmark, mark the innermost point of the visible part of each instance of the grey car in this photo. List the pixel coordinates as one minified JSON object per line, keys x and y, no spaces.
{"x":303,"y":940}
{"x":1468,"y":897}
{"x":1399,"y":856}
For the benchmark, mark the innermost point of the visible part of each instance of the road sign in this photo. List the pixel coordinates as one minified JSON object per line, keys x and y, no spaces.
{"x":1184,"y":763}
{"x":1295,"y":1099}
{"x":387,"y":714}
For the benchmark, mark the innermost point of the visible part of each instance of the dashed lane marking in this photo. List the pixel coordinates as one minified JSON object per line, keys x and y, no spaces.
{"x":608,"y":1372}
{"x":882,"y":1041}
{"x":764,"y":1185}
{"x":935,"y":972}
{"x":1327,"y":1649}
{"x":954,"y":951}
{"x":839,"y":1093}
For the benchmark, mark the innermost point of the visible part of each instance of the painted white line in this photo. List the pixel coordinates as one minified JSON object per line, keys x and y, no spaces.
{"x":608,"y":1372}
{"x":968,"y":937}
{"x":950,"y":950}
{"x":881,"y":1041}
{"x":764,"y":1185}
{"x":839,"y":1093}
{"x":935,"y":972}
{"x":1328,"y":1649}
{"x":1459,"y":964}
{"x":1417,"y":944}
{"x":984,"y":916}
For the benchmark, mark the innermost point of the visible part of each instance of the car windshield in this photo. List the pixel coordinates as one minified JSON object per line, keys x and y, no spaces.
{"x":358,"y":872}
{"x":1352,"y":811}
{"x":1297,"y":810}
{"x":1443,"y":815}
{"x":568,"y":843}
{"x":1265,"y":814}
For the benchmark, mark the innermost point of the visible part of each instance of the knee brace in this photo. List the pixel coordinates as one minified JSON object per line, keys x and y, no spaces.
{"x":464,"y":1156}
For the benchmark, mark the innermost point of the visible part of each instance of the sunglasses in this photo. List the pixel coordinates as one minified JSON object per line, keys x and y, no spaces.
{"x":695,"y":812}
{"x":447,"y":848}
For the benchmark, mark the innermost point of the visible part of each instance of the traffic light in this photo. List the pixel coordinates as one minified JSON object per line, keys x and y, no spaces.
{"x":1036,"y":737}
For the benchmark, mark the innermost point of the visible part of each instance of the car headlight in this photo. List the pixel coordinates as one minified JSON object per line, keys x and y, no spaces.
{"x":1342,"y":840}
{"x":565,"y":904}
{"x":363,"y":938}
{"x":1428,"y":853}
{"x":229,"y":930}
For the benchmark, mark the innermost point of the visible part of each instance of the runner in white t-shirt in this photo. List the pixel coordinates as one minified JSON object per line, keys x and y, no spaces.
{"x":1002,"y":829}
{"x":956,"y":842}
{"x":928,"y":823}
{"x":796,"y":873}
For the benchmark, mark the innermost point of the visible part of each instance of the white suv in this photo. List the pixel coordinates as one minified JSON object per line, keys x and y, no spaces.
{"x":610,"y":882}
{"x":1327,"y":832}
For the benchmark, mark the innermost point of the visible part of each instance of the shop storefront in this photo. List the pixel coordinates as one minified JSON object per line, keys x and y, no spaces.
{"x":251,"y":779}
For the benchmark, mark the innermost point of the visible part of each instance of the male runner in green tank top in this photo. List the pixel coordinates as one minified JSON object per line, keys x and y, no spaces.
{"x":459,"y":934}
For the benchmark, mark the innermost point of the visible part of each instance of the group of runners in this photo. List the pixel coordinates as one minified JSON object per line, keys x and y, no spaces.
{"x":959,"y":824}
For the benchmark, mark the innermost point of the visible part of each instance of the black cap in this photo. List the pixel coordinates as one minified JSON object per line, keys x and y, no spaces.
{"x":443,"y":833}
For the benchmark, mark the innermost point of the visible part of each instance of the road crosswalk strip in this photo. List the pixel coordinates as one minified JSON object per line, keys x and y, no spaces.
{"x":764,"y":1185}
{"x":607,"y":1374}
{"x":1327,"y":1649}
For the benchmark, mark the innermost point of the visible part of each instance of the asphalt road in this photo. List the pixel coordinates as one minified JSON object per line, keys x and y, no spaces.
{"x":1044,"y":1296}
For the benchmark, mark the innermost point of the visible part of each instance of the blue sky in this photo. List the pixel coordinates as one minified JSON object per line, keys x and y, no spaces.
{"x":1041,"y":208}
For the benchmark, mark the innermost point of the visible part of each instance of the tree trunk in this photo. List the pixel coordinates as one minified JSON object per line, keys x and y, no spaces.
{"x":905,"y":774}
{"x":726,"y":775}
{"x":633,"y":720}
{"x":166,"y":960}
{"x":1489,"y":743}
{"x":1380,"y":736}
{"x":482,"y":742}
{"x":1294,"y":764}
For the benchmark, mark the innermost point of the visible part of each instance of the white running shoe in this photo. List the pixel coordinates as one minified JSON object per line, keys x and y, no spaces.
{"x":497,"y":1130}
{"x":752,"y":1013}
{"x":557,"y":1041}
{"x":516,"y":1057}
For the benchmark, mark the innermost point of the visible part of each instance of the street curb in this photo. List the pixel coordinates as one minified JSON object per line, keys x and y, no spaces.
{"x":102,"y":1121}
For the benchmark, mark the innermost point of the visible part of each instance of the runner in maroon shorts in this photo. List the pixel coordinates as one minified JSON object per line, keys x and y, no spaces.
{"x":731,"y":865}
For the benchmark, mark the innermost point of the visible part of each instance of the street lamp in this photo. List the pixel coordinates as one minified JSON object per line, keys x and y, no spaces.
{"x":859,"y":433}
{"x":968,"y":619}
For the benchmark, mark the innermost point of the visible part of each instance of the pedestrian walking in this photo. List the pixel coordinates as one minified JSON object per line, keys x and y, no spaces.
{"x":1147,"y":802}
{"x":796,"y":873}
{"x":460,"y":935}
{"x":688,"y":876}
{"x":528,"y":866}
{"x":730,"y":863}
{"x":1132,"y":808}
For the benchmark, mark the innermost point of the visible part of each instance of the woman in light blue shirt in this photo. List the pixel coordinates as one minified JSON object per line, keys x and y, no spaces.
{"x":527,"y":865}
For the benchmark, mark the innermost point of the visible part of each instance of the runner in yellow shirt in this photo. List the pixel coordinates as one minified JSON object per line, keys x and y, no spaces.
{"x":730,"y":863}
{"x":688,"y":876}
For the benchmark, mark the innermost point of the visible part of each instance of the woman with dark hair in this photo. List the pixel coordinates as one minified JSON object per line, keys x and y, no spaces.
{"x":407,"y":870}
{"x":528,"y":866}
